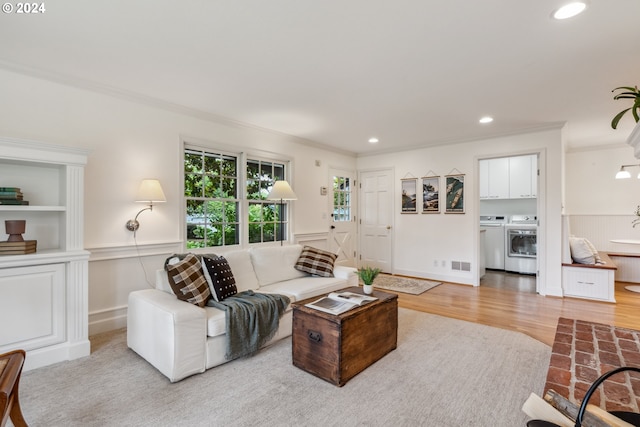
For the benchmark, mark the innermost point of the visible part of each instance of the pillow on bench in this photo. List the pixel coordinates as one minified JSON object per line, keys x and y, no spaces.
{"x":583,"y":251}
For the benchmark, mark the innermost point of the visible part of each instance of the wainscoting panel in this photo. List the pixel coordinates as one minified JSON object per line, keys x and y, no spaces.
{"x":317,"y":240}
{"x":628,"y":269}
{"x":603,"y":231}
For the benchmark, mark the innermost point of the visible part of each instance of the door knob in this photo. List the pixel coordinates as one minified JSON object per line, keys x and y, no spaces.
{"x":388,"y":227}
{"x":332,"y":227}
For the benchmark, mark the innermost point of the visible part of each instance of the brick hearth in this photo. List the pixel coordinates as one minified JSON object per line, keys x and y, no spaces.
{"x":582,"y":351}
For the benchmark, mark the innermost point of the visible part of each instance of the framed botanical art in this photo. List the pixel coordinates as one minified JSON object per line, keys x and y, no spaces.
{"x":431,"y":194}
{"x":409,"y":191}
{"x":454,"y":194}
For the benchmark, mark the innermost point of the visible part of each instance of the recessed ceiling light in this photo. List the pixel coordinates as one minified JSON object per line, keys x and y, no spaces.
{"x":570,"y":10}
{"x":486,"y":120}
{"x":373,"y":140}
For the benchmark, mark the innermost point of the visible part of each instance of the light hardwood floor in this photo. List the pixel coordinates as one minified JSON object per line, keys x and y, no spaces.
{"x":530,"y":313}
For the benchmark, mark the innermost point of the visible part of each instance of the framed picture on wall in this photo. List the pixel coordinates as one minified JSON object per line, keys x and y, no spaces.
{"x":454,"y":194}
{"x":431,"y":194}
{"x":409,"y":191}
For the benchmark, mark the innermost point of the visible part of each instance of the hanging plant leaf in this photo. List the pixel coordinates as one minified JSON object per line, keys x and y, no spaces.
{"x":630,"y":93}
{"x":616,"y":119}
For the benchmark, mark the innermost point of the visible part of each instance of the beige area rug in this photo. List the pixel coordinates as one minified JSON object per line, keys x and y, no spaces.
{"x":404,"y":284}
{"x":445,"y":372}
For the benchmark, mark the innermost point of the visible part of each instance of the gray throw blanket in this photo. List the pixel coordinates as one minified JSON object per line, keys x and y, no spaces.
{"x":252,"y":319}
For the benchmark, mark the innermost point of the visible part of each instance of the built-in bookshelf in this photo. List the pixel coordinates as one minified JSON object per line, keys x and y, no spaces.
{"x":43,"y":295}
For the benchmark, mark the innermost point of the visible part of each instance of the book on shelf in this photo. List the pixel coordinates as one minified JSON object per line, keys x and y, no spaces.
{"x":13,"y":202}
{"x":14,"y":189}
{"x":11,"y":195}
{"x":18,"y":248}
{"x":339,"y":302}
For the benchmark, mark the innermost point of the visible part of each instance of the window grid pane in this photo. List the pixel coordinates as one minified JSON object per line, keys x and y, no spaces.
{"x":212,"y":192}
{"x":211,"y":199}
{"x":341,"y":199}
{"x":264,"y":215}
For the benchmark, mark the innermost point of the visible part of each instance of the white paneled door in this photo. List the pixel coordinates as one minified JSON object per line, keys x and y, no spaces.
{"x":342,"y":227}
{"x":376,"y":219}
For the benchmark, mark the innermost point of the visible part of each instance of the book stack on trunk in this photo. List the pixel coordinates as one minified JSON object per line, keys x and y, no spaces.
{"x":18,"y":248}
{"x":12,"y":196}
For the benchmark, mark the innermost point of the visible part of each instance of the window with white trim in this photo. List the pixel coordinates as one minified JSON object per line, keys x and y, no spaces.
{"x":264,"y":215}
{"x":226,"y":198}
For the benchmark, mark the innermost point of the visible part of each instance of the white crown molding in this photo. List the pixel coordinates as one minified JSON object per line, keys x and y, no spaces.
{"x":156,"y":103}
{"x":454,"y":141}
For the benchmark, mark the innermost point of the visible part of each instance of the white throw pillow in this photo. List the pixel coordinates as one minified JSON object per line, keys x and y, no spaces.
{"x":581,"y":253}
{"x":594,"y":251}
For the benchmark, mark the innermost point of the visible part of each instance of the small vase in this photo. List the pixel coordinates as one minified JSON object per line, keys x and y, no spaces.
{"x":368,"y":289}
{"x":15,"y":228}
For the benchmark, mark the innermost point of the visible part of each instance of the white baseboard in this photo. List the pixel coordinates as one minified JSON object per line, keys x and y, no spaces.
{"x":107,"y":320}
{"x":56,"y":353}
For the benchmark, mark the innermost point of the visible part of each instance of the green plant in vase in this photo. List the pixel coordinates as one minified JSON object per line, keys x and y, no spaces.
{"x":367,"y":275}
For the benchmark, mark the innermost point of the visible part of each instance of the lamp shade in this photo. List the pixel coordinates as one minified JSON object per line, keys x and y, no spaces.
{"x":150,"y":191}
{"x":623,"y":174}
{"x":281,"y":190}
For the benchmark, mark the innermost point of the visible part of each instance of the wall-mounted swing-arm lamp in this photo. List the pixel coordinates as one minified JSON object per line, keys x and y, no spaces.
{"x":150,"y":192}
{"x":624,"y":174}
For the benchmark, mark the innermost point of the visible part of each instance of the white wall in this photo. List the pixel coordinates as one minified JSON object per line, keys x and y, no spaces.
{"x":132,"y":140}
{"x":600,"y":207}
{"x":421,"y":239}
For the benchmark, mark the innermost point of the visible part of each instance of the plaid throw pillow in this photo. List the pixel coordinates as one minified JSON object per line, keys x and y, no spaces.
{"x":219,"y":277}
{"x":188,"y":282}
{"x":316,"y":261}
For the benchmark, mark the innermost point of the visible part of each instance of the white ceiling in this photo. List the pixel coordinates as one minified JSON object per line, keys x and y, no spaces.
{"x":410,"y":72}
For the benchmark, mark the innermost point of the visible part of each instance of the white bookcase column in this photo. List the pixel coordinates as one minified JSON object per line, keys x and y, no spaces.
{"x":44,"y":295}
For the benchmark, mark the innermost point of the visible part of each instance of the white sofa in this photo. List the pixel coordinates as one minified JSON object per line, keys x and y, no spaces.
{"x":181,"y":339}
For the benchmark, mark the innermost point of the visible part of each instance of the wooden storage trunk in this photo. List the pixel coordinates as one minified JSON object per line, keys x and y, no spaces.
{"x":336,"y":348}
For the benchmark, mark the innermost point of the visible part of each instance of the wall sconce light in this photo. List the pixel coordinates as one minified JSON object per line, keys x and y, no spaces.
{"x":150,"y":192}
{"x":624,"y":174}
{"x":281,"y":190}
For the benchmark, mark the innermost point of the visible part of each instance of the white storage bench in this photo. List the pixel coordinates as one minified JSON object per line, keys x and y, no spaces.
{"x":590,"y":281}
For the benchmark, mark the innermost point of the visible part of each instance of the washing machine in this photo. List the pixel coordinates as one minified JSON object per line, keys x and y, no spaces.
{"x":493,"y":240}
{"x":521,"y":244}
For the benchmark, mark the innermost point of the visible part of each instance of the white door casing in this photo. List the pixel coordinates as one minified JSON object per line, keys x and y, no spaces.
{"x":376,"y":219}
{"x":342,"y":225}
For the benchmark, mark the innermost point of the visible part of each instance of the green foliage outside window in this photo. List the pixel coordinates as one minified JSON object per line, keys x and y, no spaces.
{"x":264,"y":215}
{"x":211,"y":184}
{"x":211,"y":190}
{"x":341,"y":198}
